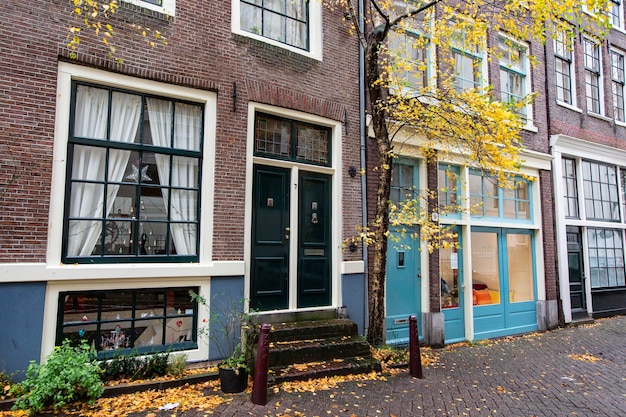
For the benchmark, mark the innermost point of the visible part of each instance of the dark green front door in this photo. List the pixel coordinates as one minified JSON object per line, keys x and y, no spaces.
{"x":273,"y":234}
{"x":314,"y":240}
{"x":270,"y":239}
{"x":578,"y":300}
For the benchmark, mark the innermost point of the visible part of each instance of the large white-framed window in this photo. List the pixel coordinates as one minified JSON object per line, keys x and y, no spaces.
{"x":570,"y":190}
{"x":601,"y":191}
{"x":606,"y":257}
{"x":167,"y":7}
{"x":563,"y":65}
{"x":514,"y":75}
{"x":290,"y":24}
{"x":593,"y":76}
{"x":135,"y":163}
{"x":618,"y":81}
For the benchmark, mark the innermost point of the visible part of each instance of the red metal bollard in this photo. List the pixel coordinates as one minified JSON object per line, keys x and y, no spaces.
{"x":415,"y":358}
{"x":261,"y":367}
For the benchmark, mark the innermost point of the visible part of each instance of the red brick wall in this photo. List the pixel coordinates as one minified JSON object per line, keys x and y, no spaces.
{"x":202,"y":53}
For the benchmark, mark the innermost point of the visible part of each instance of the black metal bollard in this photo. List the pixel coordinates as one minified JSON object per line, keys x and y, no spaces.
{"x":259,"y":383}
{"x":415,"y":358}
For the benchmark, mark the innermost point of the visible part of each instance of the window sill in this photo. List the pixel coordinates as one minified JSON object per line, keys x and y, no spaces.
{"x":273,"y":45}
{"x":530,"y":127}
{"x":568,"y":106}
{"x":618,"y":123}
{"x":599,"y":116}
{"x":151,"y":10}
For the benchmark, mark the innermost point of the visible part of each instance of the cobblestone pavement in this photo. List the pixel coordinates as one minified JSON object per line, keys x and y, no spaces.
{"x":577,"y":371}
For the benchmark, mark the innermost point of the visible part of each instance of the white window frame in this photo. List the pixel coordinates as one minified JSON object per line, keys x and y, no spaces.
{"x":526,"y":73}
{"x":69,"y":72}
{"x":315,"y":30}
{"x":618,"y":85}
{"x":618,"y":7}
{"x":591,"y":72}
{"x":168,"y":7}
{"x":566,"y":53}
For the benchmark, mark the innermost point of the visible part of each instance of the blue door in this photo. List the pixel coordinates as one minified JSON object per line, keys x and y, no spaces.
{"x":452,"y":306}
{"x":403,"y":286}
{"x":403,"y":280}
{"x":503,"y":282}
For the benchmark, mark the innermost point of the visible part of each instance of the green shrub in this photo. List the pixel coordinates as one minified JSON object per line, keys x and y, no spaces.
{"x":69,"y":374}
{"x":177,"y":365}
{"x":133,"y":366}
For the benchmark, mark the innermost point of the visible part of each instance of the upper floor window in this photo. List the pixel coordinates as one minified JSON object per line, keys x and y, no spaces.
{"x":601,"y":191}
{"x":133,"y":177}
{"x":513,"y":75}
{"x":593,"y":75}
{"x":285,"y":21}
{"x":280,"y":138}
{"x":563,"y":63}
{"x":489,"y":200}
{"x":570,"y":189}
{"x":468,"y":62}
{"x":617,"y":85}
{"x":162,"y":6}
{"x":412,"y":60}
{"x":622,"y":172}
{"x":616,"y":13}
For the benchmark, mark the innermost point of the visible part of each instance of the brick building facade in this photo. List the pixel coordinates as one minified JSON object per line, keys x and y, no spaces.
{"x":189,"y":140}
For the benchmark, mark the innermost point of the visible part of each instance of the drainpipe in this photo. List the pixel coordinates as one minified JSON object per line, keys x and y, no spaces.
{"x":363,"y":141}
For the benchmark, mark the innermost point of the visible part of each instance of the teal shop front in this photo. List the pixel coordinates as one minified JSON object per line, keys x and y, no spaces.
{"x":503,"y":282}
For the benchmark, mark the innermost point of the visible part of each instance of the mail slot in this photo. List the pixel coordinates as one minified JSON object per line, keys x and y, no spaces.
{"x":314,"y":252}
{"x":401,"y":321}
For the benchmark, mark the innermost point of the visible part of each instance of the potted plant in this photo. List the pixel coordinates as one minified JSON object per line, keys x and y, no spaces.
{"x":234,"y":372}
{"x":223,"y":332}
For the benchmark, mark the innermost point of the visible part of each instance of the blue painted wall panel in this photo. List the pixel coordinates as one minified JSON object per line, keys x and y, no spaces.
{"x":353,"y":298}
{"x":226,"y":306}
{"x":21,"y":324}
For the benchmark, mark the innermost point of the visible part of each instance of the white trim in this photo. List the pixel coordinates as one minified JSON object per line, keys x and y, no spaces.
{"x":315,"y":30}
{"x":568,"y":145}
{"x":601,"y":103}
{"x":352,"y":267}
{"x":69,"y":72}
{"x":168,"y":7}
{"x":336,"y":197}
{"x":569,"y":106}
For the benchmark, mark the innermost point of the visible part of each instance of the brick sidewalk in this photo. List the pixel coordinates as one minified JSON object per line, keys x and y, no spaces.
{"x":524,"y":376}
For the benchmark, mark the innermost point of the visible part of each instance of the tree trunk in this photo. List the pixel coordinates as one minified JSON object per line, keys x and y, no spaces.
{"x":380,"y":225}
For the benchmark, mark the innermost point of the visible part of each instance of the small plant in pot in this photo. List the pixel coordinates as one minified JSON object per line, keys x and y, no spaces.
{"x":223,"y":332}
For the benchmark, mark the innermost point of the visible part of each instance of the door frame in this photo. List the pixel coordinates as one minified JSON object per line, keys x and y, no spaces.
{"x":336,"y":213}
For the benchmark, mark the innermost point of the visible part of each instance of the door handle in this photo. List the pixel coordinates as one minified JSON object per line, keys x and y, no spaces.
{"x":287,"y":229}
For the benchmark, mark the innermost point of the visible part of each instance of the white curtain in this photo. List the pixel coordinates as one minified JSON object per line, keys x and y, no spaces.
{"x":87,"y":199}
{"x":184,"y":171}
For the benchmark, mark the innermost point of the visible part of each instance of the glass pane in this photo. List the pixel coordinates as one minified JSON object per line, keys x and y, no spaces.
{"x":312,"y":144}
{"x":273,"y":26}
{"x":449,"y":269}
{"x":149,"y":332}
{"x":296,"y":34}
{"x":272,"y":137}
{"x":88,"y":163}
{"x":92,"y":112}
{"x":157,"y":128}
{"x":125,"y":115}
{"x":519,"y":253}
{"x":509,"y":209}
{"x":485,"y":268}
{"x":187,"y":127}
{"x":250,"y":20}
{"x":296,"y":9}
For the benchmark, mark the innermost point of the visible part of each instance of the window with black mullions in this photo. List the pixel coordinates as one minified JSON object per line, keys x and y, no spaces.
{"x":133,"y":177}
{"x":285,"y":21}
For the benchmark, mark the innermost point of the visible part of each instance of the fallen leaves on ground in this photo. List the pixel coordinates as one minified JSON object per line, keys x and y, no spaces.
{"x":585,"y":357}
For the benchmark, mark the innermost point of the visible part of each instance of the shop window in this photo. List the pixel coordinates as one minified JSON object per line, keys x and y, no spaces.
{"x":133,"y":177}
{"x":485,"y":268}
{"x":606,"y":257}
{"x":487,"y":199}
{"x":600,"y":191}
{"x":449,"y":186}
{"x":520,"y":267}
{"x":570,"y":188}
{"x":280,"y":138}
{"x":144,"y":320}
